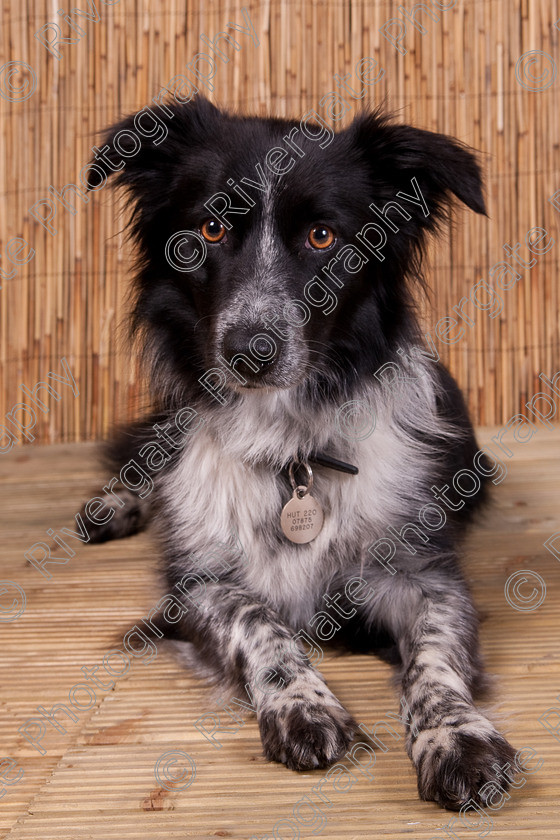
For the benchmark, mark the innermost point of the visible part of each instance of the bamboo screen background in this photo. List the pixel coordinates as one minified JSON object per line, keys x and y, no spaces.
{"x":459,"y":77}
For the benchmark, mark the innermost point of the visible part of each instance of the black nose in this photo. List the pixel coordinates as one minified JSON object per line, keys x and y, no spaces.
{"x":257,"y":350}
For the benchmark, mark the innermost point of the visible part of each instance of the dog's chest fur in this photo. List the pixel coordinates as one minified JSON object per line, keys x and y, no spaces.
{"x":226,"y":484}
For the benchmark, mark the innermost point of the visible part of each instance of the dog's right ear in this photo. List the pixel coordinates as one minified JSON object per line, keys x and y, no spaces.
{"x":442,"y":165}
{"x":143,"y":149}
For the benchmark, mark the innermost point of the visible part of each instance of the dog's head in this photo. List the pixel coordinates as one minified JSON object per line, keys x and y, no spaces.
{"x":276,"y":252}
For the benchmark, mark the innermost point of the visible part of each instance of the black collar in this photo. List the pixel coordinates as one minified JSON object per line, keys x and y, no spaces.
{"x":332,"y":463}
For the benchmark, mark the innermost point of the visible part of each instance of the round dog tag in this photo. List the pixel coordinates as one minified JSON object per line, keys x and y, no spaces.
{"x":302,"y":517}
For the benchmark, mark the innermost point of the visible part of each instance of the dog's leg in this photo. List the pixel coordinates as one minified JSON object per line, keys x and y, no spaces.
{"x":126,"y":510}
{"x":130,"y":514}
{"x":453,"y":746}
{"x":245,"y":642}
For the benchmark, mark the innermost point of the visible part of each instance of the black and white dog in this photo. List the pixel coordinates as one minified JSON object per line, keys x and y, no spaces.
{"x":273,"y":291}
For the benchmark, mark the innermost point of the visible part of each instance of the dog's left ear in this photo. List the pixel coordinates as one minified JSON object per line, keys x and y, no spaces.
{"x":141,"y":152}
{"x":441,"y":165}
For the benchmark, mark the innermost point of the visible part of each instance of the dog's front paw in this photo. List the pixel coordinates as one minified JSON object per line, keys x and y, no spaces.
{"x":453,"y":763}
{"x":304,"y":726}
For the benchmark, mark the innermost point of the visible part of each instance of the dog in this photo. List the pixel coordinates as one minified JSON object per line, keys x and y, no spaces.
{"x":274,"y":297}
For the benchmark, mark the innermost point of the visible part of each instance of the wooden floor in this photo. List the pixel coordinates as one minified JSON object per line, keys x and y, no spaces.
{"x":96,"y":780}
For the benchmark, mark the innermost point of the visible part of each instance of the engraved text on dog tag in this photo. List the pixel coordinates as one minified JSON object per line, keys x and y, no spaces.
{"x":302,"y":517}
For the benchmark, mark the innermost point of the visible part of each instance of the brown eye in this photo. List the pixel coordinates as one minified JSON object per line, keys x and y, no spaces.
{"x":320,"y":237}
{"x":212,"y":230}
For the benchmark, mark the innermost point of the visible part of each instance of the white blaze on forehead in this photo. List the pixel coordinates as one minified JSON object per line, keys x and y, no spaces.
{"x":262,"y":292}
{"x":267,"y":249}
